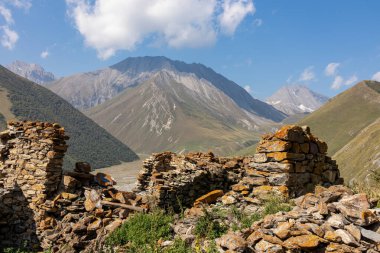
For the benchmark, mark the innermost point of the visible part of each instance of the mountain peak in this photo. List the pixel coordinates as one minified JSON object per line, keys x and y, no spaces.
{"x":31,"y":71}
{"x":107,"y":83}
{"x":294,"y":99}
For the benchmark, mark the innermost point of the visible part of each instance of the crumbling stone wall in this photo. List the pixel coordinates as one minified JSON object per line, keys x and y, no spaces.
{"x":173,"y":180}
{"x":289,"y":162}
{"x":31,"y":158}
{"x":294,"y":158}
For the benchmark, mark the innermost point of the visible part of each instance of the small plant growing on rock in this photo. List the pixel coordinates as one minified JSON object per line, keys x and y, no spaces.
{"x":275,"y":204}
{"x":208,"y":226}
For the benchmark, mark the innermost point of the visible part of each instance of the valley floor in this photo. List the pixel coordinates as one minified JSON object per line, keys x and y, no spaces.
{"x":125,"y":174}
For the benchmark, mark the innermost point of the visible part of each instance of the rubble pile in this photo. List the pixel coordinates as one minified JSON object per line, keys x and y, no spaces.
{"x":87,"y":208}
{"x":330,"y":220}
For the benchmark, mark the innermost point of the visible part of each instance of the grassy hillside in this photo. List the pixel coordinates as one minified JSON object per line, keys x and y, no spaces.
{"x":88,"y":141}
{"x":361,"y":154}
{"x":344,"y":116}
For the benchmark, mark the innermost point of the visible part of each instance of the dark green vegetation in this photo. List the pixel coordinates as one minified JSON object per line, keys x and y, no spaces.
{"x":141,"y":233}
{"x":350,"y":124}
{"x":88,"y":141}
{"x":3,"y":123}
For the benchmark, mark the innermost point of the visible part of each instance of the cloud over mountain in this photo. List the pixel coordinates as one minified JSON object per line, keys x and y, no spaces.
{"x":111,"y":25}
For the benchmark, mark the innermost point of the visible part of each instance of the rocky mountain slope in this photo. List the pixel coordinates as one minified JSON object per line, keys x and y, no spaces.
{"x":90,"y":89}
{"x":154,"y":104}
{"x":296,"y":99}
{"x":177,"y":111}
{"x":31,"y":71}
{"x":346,"y":121}
{"x":23,"y":99}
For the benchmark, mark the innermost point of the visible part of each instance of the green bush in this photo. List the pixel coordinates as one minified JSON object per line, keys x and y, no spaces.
{"x":141,"y":233}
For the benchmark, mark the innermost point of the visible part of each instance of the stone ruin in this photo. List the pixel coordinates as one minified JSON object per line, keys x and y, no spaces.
{"x":43,"y":208}
{"x":31,"y":158}
{"x":290,"y":162}
{"x":74,"y":211}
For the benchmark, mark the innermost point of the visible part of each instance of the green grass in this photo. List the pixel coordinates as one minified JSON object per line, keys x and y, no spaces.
{"x":250,"y":150}
{"x":141,"y":233}
{"x":344,"y":116}
{"x":208,"y":226}
{"x":89,"y":142}
{"x":361,"y":155}
{"x":272,"y":205}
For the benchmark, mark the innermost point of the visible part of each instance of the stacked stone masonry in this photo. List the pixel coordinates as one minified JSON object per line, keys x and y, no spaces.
{"x":31,"y":157}
{"x":42,"y":208}
{"x":290,"y":162}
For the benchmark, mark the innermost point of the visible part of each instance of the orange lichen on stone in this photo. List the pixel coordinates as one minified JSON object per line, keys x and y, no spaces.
{"x":209,"y":198}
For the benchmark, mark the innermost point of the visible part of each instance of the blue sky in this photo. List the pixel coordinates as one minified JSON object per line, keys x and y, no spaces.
{"x":261,"y":45}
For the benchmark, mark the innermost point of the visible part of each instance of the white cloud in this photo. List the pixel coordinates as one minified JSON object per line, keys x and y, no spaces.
{"x":234,"y":11}
{"x":350,"y":81}
{"x":6,"y":14}
{"x":331,"y":69}
{"x":44,"y":54}
{"x":308,"y":74}
{"x":258,"y":22}
{"x":376,"y":76}
{"x":22,"y":4}
{"x":111,"y":25}
{"x":248,"y":88}
{"x":8,"y":36}
{"x":338,"y":82}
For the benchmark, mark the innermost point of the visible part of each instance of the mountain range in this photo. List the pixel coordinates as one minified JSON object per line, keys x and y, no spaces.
{"x":31,"y":71}
{"x":24,"y":100}
{"x":296,"y":99}
{"x":154,"y":103}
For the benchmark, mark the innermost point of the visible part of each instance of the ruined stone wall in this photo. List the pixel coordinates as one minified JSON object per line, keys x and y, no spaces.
{"x":290,"y":162}
{"x":31,"y":158}
{"x":294,"y":158}
{"x":173,"y":180}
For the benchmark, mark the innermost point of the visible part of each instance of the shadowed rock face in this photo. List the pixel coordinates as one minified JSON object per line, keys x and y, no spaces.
{"x":17,"y":224}
{"x":31,"y":158}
